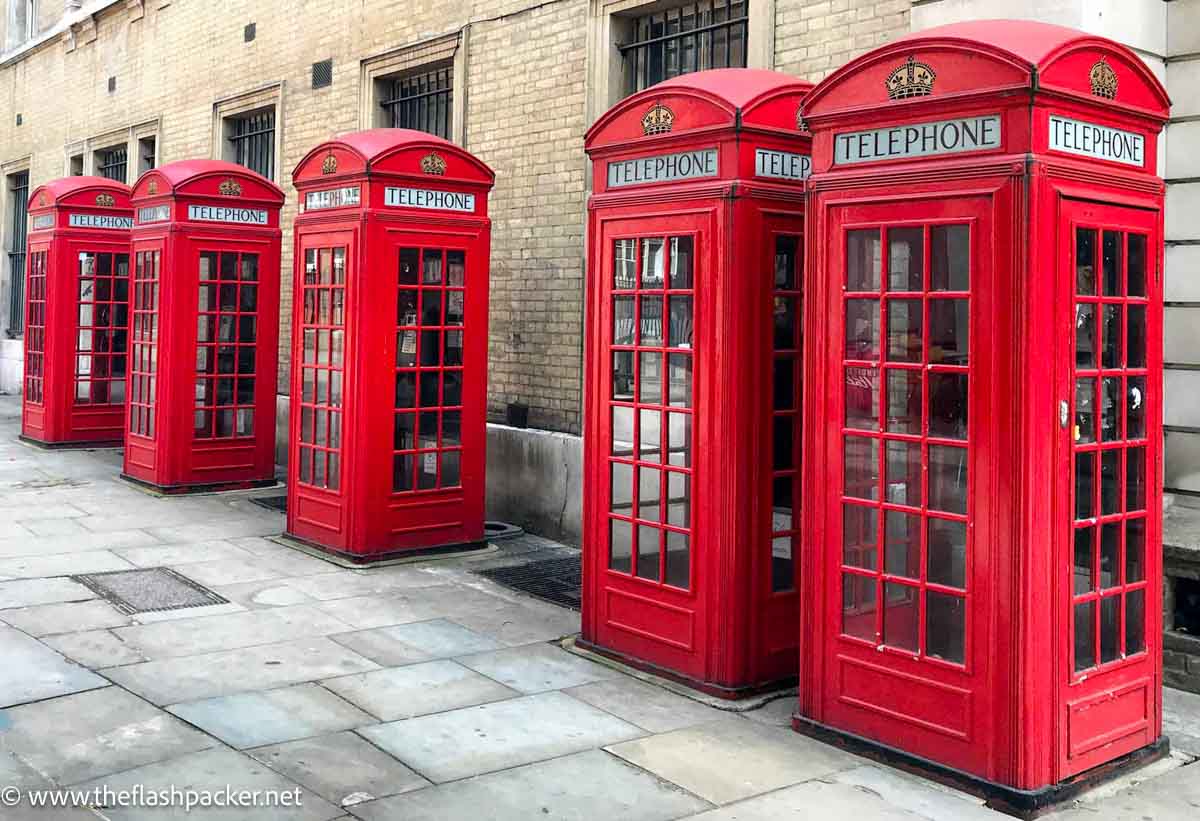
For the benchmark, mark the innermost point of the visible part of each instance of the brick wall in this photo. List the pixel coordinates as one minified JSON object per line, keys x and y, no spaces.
{"x":813,"y":38}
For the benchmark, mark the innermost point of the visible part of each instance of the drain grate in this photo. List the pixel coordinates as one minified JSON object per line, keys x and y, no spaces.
{"x":276,"y":503}
{"x":556,"y":580}
{"x":150,"y":590}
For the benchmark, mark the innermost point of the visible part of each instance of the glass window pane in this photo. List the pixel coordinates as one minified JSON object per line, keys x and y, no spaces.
{"x":1112,"y":263}
{"x":946,"y":554}
{"x":648,"y":552}
{"x":1110,"y":555}
{"x":900,"y":616}
{"x":402,"y":472}
{"x":1135,"y":336}
{"x":1085,"y":410}
{"x":622,"y":431}
{"x":862,"y":467}
{"x":652,"y":263}
{"x":679,"y":499}
{"x":950,"y":262}
{"x":406,"y":389}
{"x":1137,"y":265}
{"x":948,"y":336}
{"x":624,"y":264}
{"x":406,"y":348}
{"x":452,"y":388}
{"x":681,"y":262}
{"x":649,"y":494}
{"x":1135,"y":479}
{"x":904,"y":473}
{"x":785,"y":261}
{"x":622,"y":376}
{"x":623,"y":322}
{"x":678,"y":559}
{"x":1135,"y":408}
{"x":404,"y":431}
{"x":456,"y":267}
{"x":862,"y":399}
{"x":783,"y":384}
{"x":1084,"y":578}
{"x":1085,"y":636}
{"x":451,"y":429}
{"x":409,"y":266}
{"x":1085,"y":492}
{"x":858,"y":606}
{"x":948,"y":478}
{"x":1110,"y":482}
{"x":904,"y":401}
{"x":680,"y":387}
{"x":620,"y":546}
{"x":904,"y":320}
{"x":783,"y":569}
{"x":451,"y":468}
{"x":781,"y":444}
{"x":945,"y":626}
{"x":651,"y":320}
{"x":863,"y":260}
{"x":906,"y":258}
{"x":431,"y":268}
{"x":650,"y":386}
{"x":453,"y":347}
{"x":1111,"y":351}
{"x":680,"y":331}
{"x":1110,"y":409}
{"x":902,"y":544}
{"x":1110,"y":626}
{"x":1085,"y":335}
{"x":621,"y":488}
{"x":1135,"y":621}
{"x":1085,"y":262}
{"x":1135,"y":550}
{"x":649,"y":431}
{"x":431,"y":306}
{"x":862,"y":329}
{"x":787,"y":324}
{"x":948,"y":405}
{"x":859,"y":535}
{"x":429,"y":389}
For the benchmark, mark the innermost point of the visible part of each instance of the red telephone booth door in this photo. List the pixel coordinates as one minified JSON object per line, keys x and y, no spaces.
{"x":1109,"y":608}
{"x":652,"y":577}
{"x":907,"y":645}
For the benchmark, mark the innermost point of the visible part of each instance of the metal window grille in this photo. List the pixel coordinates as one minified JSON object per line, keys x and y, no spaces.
{"x":149,"y":150}
{"x":253,"y":142}
{"x":422,"y":100}
{"x":113,"y":162}
{"x":18,"y":193}
{"x":687,"y":38}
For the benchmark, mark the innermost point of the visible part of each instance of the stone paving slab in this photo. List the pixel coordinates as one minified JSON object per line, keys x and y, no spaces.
{"x":581,"y":787}
{"x":344,"y":584}
{"x":1174,"y":796}
{"x":54,"y":528}
{"x":266,"y":667}
{"x":84,"y":736}
{"x":95,"y":649}
{"x":30,"y":592}
{"x":272,"y":716}
{"x":212,"y":770}
{"x":342,"y":768}
{"x":71,"y":617}
{"x":652,"y":708}
{"x":61,"y":564}
{"x":228,"y":571}
{"x":368,"y":612}
{"x":195,"y":636}
{"x":418,"y":689}
{"x":477,"y":740}
{"x":536,"y":668}
{"x":1181,"y":719}
{"x":178,"y":555}
{"x":916,"y":795}
{"x":31,"y":671}
{"x":731,"y":760}
{"x":39,"y":547}
{"x":263,"y":594}
{"x":811,"y":801}
{"x":419,"y":641}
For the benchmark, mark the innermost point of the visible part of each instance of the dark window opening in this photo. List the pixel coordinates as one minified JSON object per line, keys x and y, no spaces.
{"x":112,"y":162}
{"x":1187,"y":606}
{"x":147,"y":154}
{"x":253,"y":141}
{"x":687,"y":38}
{"x":421,"y":100}
{"x":18,"y":198}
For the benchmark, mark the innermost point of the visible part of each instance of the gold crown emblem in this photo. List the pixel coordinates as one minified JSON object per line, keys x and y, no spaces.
{"x":105,"y":200}
{"x":230,"y":188}
{"x":152,"y":187}
{"x":1104,"y":80}
{"x":433,"y":163}
{"x":658,"y":120}
{"x":912,"y":79}
{"x":330,"y":164}
{"x":800,"y":124}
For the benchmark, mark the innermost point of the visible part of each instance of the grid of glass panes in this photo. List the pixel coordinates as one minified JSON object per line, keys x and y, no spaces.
{"x":423,"y":100}
{"x":35,"y":333}
{"x":786,"y":342}
{"x":652,"y":437}
{"x":226,"y":345}
{"x":685,"y":38}
{"x":103,"y":330}
{"x":1110,"y":447}
{"x":427,"y":429}
{"x":143,"y":348}
{"x":905,"y":438}
{"x":322,"y":332}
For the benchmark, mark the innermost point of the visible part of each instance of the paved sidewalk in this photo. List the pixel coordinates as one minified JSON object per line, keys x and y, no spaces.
{"x":406,"y":692}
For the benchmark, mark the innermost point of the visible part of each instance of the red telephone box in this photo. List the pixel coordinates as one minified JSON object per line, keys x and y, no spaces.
{"x":983,"y":421}
{"x":693,"y":363}
{"x":204,"y":335}
{"x":388,"y":438}
{"x":76,"y":313}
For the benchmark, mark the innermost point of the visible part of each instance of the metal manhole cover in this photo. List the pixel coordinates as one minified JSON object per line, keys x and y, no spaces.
{"x":150,"y":590}
{"x":555,"y":580}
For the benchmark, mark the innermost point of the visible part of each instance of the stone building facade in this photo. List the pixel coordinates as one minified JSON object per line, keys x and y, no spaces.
{"x":115,"y":86}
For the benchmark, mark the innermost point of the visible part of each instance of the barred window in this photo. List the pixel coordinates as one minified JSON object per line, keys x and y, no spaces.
{"x":421,"y":100}
{"x":112,"y":162}
{"x":691,"y":37}
{"x":18,"y":197}
{"x":252,"y":138}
